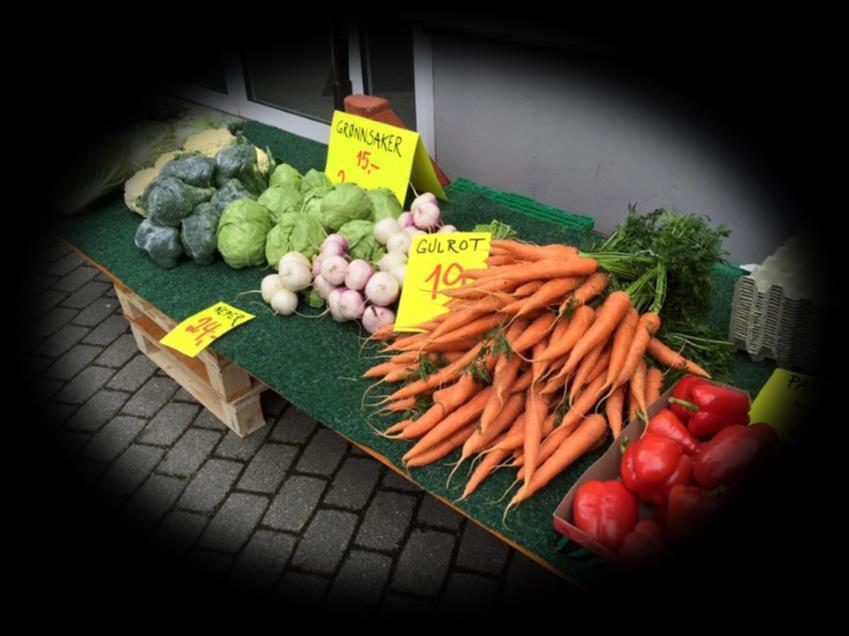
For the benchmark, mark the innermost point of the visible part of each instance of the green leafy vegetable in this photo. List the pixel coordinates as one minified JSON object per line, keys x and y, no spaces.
{"x":198,"y":235}
{"x":384,"y":205}
{"x":168,"y":200}
{"x":196,"y":170}
{"x":280,"y":200}
{"x":242,"y":231}
{"x":162,"y":244}
{"x":239,"y":162}
{"x":313,"y":180}
{"x":285,"y":176}
{"x":500,"y":231}
{"x":294,"y":232}
{"x":232,"y":190}
{"x":361,"y":241}
{"x":345,"y":202}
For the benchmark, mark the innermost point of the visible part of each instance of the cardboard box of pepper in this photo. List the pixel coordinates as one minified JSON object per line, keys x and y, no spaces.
{"x":605,"y":467}
{"x":729,"y":451}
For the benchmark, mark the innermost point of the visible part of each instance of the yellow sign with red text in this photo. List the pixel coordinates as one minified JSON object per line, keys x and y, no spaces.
{"x":376,"y":155}
{"x":197,"y":332}
{"x":435,"y":264}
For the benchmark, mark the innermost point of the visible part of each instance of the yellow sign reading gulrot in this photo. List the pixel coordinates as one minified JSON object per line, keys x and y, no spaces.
{"x":197,"y":332}
{"x":376,"y":155}
{"x":435,"y":264}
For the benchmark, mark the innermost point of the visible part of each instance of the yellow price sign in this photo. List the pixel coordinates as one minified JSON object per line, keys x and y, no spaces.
{"x":376,"y":155}
{"x":786,"y":401}
{"x":197,"y":332}
{"x":436,"y":263}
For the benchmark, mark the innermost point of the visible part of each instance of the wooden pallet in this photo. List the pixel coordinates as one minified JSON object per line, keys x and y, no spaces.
{"x":230,"y":393}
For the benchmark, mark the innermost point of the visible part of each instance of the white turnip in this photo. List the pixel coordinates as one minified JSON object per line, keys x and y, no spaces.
{"x":269,"y":285}
{"x":294,"y":275}
{"x":405,"y":220}
{"x":426,"y":216}
{"x":390,"y":260}
{"x":399,"y":242}
{"x":382,"y":289}
{"x":357,"y":274}
{"x":375,"y":317}
{"x":334,"y":268}
{"x":284,"y":302}
{"x":384,"y":229}
{"x":351,"y":304}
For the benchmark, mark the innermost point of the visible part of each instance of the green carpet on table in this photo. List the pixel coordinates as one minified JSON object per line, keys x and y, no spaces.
{"x":315,"y":363}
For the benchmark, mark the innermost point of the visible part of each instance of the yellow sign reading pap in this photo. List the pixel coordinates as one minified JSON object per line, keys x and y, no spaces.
{"x":786,"y":401}
{"x":376,"y":155}
{"x":437,"y":263}
{"x":197,"y":332}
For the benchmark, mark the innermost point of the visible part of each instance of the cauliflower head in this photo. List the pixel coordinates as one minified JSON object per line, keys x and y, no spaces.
{"x":135,"y":186}
{"x":209,"y":142}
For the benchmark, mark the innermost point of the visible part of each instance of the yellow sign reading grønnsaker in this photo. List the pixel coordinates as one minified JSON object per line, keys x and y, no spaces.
{"x":376,"y":155}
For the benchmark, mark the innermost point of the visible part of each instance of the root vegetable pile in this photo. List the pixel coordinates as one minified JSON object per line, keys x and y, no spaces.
{"x":538,"y":356}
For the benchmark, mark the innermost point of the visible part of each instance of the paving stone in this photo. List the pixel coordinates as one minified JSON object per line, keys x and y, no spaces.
{"x":61,"y":341}
{"x":96,"y":312}
{"x":119,"y":352}
{"x":38,"y":306}
{"x":68,"y":443}
{"x":325,"y":541}
{"x":151,"y":397}
{"x":169,"y":424}
{"x":394,"y":481}
{"x":57,"y":414}
{"x":268,"y":468}
{"x":71,"y":363}
{"x":396,"y":606}
{"x":273,"y":404}
{"x":184,"y":396}
{"x":86,"y":384}
{"x":44,"y":388}
{"x":85,"y":295}
{"x":53,"y":252}
{"x":528,"y":585}
{"x":358,"y":587}
{"x":433,"y":512}
{"x":135,"y":373}
{"x":355,"y":451}
{"x":481,"y":551}
{"x":302,"y":591}
{"x":424,"y":562}
{"x":211,"y":566}
{"x":210,"y":486}
{"x":295,"y":503}
{"x":386,"y":521}
{"x":294,"y":426}
{"x":234,"y":522}
{"x":235,"y":447}
{"x":469,"y":596}
{"x":99,"y":409}
{"x":263,"y":559}
{"x":35,"y":365}
{"x":323,"y":454}
{"x":42,"y":282}
{"x":75,"y":279}
{"x":52,"y":322}
{"x":150,"y":502}
{"x":353,"y":484}
{"x":65,"y":265}
{"x":190,"y":451}
{"x":179,"y":531}
{"x":87,"y":472}
{"x":131,"y":469}
{"x":206,"y":419}
{"x":113,"y":438}
{"x":107,"y":331}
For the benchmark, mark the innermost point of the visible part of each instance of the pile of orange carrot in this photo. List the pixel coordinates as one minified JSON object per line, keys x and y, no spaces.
{"x":517,"y":373}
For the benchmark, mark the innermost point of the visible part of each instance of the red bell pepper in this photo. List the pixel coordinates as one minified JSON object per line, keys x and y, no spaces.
{"x":690,"y":510}
{"x":667,"y":424}
{"x":644,"y":546}
{"x":652,"y":465}
{"x":707,"y":407}
{"x":733,"y":453}
{"x":681,"y":393}
{"x":605,"y":510}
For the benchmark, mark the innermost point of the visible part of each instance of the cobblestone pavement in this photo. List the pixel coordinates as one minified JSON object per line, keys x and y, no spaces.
{"x":293,"y":510}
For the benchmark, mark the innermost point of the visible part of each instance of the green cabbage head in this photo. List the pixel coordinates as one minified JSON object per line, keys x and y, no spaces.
{"x":345,"y":202}
{"x":361,"y":241}
{"x":242,"y":231}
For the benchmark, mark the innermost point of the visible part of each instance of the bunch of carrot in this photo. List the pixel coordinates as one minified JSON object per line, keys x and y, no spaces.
{"x":531,"y":349}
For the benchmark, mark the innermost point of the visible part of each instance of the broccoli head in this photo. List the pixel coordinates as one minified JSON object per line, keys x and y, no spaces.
{"x":196,"y":170}
{"x":167,"y":200}
{"x":162,"y":244}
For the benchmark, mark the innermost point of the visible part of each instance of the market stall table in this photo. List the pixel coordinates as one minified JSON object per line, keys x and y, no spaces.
{"x":316,"y":364}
